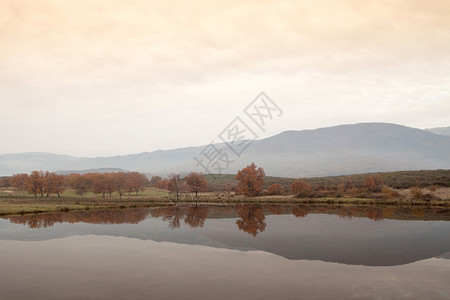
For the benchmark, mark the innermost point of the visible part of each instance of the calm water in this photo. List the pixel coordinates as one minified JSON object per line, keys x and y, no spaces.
{"x":228,"y":252}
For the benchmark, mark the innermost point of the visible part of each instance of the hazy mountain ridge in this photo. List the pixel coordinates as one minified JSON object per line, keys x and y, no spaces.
{"x":440,"y":130}
{"x":343,"y":149}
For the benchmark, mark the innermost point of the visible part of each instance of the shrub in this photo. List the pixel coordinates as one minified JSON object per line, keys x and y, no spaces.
{"x":275,"y":189}
{"x":301,"y":189}
{"x":416,"y":192}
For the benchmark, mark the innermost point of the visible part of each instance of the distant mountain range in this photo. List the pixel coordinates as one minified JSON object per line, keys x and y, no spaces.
{"x":440,"y":130}
{"x":338,"y":150}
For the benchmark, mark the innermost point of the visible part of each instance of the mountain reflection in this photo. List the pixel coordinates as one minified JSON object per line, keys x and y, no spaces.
{"x":344,"y":234}
{"x":250,"y":217}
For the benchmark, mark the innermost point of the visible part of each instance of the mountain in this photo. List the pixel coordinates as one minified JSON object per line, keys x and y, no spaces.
{"x":440,"y":130}
{"x":338,"y":150}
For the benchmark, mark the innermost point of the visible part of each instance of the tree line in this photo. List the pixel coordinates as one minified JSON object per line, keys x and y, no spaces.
{"x":192,"y":183}
{"x":45,"y":183}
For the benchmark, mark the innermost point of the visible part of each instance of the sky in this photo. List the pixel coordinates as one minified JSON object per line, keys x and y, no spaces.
{"x":114,"y":77}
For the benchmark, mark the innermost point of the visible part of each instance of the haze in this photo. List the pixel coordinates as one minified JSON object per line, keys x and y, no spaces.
{"x":98,"y":78}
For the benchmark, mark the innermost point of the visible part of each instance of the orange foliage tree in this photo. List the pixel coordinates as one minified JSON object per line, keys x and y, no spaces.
{"x":19,"y":181}
{"x":250,"y":180}
{"x":35,"y":184}
{"x":53,"y":184}
{"x":120,"y":182}
{"x":136,"y":182}
{"x":301,"y":189}
{"x":197,"y":182}
{"x":275,"y":189}
{"x":374,"y":183}
{"x":175,"y":183}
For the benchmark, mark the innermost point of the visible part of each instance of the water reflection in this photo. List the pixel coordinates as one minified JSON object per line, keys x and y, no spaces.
{"x":364,"y":235}
{"x":112,"y":216}
{"x":194,"y":216}
{"x":251,"y":217}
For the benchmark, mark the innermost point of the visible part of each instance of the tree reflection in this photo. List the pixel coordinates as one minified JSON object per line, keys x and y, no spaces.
{"x":375,"y":214}
{"x":275,"y":209}
{"x":346,"y":213}
{"x":196,"y":216}
{"x":252,"y":219}
{"x":299,"y":212}
{"x":171,"y":214}
{"x":129,"y":216}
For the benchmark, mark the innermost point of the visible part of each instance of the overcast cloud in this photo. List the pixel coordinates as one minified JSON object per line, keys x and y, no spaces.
{"x":98,"y":78}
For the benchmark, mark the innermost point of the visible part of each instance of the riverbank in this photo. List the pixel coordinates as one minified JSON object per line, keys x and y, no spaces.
{"x":26,"y":205}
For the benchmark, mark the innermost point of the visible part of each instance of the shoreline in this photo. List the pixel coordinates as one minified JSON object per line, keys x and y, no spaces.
{"x":21,"y":205}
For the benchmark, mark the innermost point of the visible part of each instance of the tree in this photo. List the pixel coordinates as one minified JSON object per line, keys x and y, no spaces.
{"x":136,"y":182}
{"x":36,"y":183}
{"x":99,"y":184}
{"x":197,"y":183}
{"x":175,"y":184}
{"x":110,"y":183}
{"x":162,"y":184}
{"x":5,"y":182}
{"x":301,"y":189}
{"x":250,"y":180}
{"x":120,"y":181}
{"x":275,"y":189}
{"x":374,"y":183}
{"x":82,"y":184}
{"x":346,"y":185}
{"x":19,"y":181}
{"x":154,"y":180}
{"x":53,"y":184}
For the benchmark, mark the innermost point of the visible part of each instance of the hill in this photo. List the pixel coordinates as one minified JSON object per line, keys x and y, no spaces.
{"x":440,"y":130}
{"x":338,"y":150}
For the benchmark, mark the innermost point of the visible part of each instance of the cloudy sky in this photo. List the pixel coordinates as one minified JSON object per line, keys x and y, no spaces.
{"x":110,"y":77}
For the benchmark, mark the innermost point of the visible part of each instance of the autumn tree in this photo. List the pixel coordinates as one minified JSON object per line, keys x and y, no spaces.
{"x":53,"y":183}
{"x":19,"y":181}
{"x":250,"y":180}
{"x":374,"y":183}
{"x":301,"y":189}
{"x":99,"y":184}
{"x":5,"y":182}
{"x":162,"y":184}
{"x":136,"y":182}
{"x":120,"y":182}
{"x":82,"y":184}
{"x":175,"y":184}
{"x":275,"y":189}
{"x":154,"y":180}
{"x":35,"y":184}
{"x":346,"y":185}
{"x":197,"y":183}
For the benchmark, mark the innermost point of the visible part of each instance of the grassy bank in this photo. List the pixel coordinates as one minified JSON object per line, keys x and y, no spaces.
{"x":20,"y":202}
